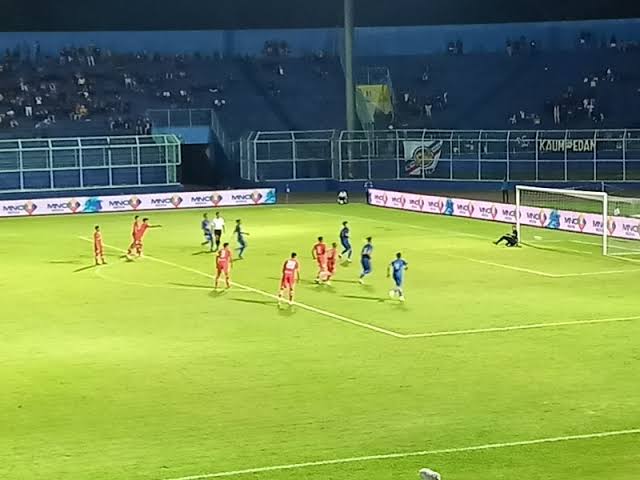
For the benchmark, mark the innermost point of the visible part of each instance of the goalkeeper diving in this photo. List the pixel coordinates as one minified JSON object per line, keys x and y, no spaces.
{"x":510,"y":239}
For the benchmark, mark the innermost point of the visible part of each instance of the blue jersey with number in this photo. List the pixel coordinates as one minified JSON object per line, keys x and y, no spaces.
{"x":367,"y":250}
{"x":206,"y":227}
{"x":398,"y":266}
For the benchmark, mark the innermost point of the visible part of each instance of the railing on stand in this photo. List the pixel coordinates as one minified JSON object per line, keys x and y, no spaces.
{"x":483,"y":155}
{"x":30,"y":165}
{"x":304,"y":155}
{"x":478,"y":155}
{"x":190,"y":117}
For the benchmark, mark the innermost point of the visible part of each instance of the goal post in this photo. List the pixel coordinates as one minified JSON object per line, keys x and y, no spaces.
{"x":563,"y":213}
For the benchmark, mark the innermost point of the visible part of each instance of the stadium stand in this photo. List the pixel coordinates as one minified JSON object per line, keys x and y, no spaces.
{"x":93,"y":91}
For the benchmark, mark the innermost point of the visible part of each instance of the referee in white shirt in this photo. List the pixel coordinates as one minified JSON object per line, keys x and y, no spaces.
{"x":218,"y":229}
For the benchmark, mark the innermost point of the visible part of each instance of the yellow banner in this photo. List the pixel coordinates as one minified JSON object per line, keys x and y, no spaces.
{"x":378,"y":96}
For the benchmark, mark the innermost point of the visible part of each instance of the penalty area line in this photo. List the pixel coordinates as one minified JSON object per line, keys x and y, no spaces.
{"x":247,"y":288}
{"x":444,"y":231}
{"x":521,"y":327}
{"x":454,"y":232}
{"x":500,"y":265}
{"x":421,"y":453}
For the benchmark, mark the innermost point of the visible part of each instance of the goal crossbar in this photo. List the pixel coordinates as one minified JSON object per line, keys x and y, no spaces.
{"x":601,"y":197}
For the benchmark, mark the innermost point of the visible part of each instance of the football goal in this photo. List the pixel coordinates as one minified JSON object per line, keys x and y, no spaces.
{"x":588,"y":218}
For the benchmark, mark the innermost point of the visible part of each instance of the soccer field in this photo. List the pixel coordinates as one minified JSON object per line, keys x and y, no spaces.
{"x":503,"y":363}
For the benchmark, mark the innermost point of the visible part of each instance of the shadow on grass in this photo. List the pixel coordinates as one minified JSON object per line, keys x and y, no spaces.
{"x":85,"y":268}
{"x":255,"y":302}
{"x":202,"y":252}
{"x":301,"y":282}
{"x":283,"y":308}
{"x":368,"y":288}
{"x":287,"y":310}
{"x":64,"y":262}
{"x":217,"y":293}
{"x":191,"y":285}
{"x":353,"y":282}
{"x":365,"y":297}
{"x":399,"y":305}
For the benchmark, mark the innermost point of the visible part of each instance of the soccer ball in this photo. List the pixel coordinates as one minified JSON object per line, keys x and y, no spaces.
{"x":392,"y":293}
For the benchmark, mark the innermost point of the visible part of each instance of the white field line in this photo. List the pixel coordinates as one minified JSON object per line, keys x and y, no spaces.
{"x":356,"y":322}
{"x":542,"y":246}
{"x":595,"y":274}
{"x":352,"y":321}
{"x":501,"y":265}
{"x":422,"y":453}
{"x":521,"y":327}
{"x":484,"y":262}
{"x":539,"y":273}
{"x":631,"y":251}
{"x":596,"y":244}
{"x":266,"y":294}
{"x":443,"y":230}
{"x":446,"y":231}
{"x":99,"y":272}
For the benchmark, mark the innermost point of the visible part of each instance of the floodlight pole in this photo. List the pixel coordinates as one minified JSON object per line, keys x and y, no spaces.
{"x":348,"y":64}
{"x":349,"y":91}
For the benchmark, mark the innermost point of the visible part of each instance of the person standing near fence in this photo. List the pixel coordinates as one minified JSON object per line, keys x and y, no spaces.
{"x":505,"y":190}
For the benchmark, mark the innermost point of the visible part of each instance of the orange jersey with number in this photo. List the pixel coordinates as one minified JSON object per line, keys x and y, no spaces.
{"x":224,"y":259}
{"x":332,"y":256}
{"x":319,"y":250}
{"x":140,"y":231}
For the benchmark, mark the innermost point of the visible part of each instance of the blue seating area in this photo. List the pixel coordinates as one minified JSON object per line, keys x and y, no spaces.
{"x":488,"y":90}
{"x":305,"y":93}
{"x":91,"y":91}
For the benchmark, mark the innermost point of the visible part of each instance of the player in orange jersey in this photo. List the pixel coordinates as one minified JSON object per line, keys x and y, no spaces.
{"x":332,"y":259}
{"x":290,"y":276}
{"x":134,"y":228}
{"x":223,"y":265}
{"x":98,"y":246}
{"x":138,"y":236}
{"x":319,"y":254}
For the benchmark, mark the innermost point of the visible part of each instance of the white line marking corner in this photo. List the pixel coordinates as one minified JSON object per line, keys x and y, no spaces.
{"x":391,"y":333}
{"x":386,"y":456}
{"x":247,"y":288}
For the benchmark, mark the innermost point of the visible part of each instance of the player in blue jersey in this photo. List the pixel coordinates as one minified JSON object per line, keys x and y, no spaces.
{"x":205,"y":225}
{"x":396,"y":270}
{"x":365,"y":259}
{"x":240,"y":234}
{"x":345,"y":241}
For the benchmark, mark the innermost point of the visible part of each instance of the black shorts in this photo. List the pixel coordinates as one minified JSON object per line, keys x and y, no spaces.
{"x":217,"y":233}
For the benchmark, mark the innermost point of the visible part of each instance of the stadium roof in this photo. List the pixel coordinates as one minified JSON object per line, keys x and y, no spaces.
{"x":88,"y":15}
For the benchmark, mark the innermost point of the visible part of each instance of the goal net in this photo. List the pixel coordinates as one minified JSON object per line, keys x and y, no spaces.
{"x":578,"y":220}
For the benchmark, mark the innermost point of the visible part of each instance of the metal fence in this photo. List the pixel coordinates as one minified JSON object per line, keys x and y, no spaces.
{"x":83,"y":162}
{"x":481,"y":155}
{"x":291,"y":155}
{"x":188,"y":117}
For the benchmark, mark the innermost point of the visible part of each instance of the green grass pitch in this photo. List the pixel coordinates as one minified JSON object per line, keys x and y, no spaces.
{"x":137,"y":370}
